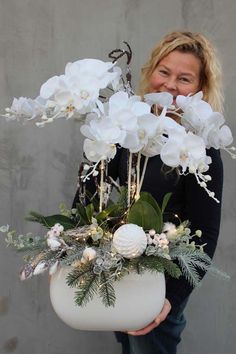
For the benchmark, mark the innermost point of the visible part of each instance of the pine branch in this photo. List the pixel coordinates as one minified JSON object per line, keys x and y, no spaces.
{"x":188,"y":270}
{"x":68,"y":259}
{"x":218,"y":273}
{"x":195,"y":255}
{"x":87,"y":289}
{"x":155,"y":264}
{"x":170,"y":268}
{"x":106,"y":290}
{"x":136,"y":264}
{"x":73,"y":279}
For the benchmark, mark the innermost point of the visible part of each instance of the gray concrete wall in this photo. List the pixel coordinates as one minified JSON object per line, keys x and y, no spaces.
{"x":38,"y":167}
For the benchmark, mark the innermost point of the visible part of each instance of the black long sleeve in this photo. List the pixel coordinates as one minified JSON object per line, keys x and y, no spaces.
{"x":189,"y":201}
{"x":204,"y":214}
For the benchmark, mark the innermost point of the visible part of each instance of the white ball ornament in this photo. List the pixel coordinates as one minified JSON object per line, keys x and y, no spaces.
{"x":130,"y":240}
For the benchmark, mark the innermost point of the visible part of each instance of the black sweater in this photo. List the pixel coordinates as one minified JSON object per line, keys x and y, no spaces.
{"x":189,"y":201}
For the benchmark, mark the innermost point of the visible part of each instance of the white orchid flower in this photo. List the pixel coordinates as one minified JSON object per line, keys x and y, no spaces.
{"x":163,"y":99}
{"x":134,"y":118}
{"x":124,"y":110}
{"x":52,"y":86}
{"x":183,"y":149}
{"x":195,"y":111}
{"x":103,"y":129}
{"x":214,"y":134}
{"x":161,"y":129}
{"x":103,"y":71}
{"x":154,"y":146}
{"x":25,"y":108}
{"x":96,"y":151}
{"x":78,"y":90}
{"x":145,"y":130}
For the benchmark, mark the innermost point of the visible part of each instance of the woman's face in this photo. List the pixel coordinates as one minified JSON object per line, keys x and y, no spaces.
{"x":178,"y":73}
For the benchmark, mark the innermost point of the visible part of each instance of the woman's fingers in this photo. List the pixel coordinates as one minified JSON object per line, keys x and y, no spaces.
{"x":160,"y":318}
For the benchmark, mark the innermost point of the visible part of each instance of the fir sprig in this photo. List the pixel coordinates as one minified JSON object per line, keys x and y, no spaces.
{"x":191,"y":261}
{"x":87,"y":289}
{"x":106,"y":290}
{"x":75,"y":277}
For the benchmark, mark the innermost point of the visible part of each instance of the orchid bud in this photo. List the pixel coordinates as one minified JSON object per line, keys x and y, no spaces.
{"x":198,"y":233}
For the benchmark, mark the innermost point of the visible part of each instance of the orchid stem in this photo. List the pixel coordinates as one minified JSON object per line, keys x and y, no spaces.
{"x":101,"y":185}
{"x":129,"y":178}
{"x":143,"y":172}
{"x":138,"y":177}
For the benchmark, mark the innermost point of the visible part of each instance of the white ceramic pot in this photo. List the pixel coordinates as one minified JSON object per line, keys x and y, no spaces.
{"x":139,"y":299}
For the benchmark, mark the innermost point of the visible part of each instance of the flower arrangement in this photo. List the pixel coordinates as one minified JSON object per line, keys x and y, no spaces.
{"x":101,"y":240}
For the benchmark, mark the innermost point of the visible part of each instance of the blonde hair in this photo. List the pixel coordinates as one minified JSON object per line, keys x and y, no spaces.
{"x":198,"y":45}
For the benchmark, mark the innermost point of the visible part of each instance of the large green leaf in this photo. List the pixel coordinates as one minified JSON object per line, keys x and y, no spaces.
{"x":147,"y":197}
{"x":144,"y":214}
{"x":50,"y":221}
{"x":165,"y":201}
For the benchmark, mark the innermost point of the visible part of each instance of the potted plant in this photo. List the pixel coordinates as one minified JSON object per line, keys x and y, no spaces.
{"x":104,"y":256}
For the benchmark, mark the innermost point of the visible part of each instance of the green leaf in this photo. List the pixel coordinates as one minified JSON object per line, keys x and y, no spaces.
{"x":111,"y":210}
{"x":89,"y":212}
{"x":165,"y":201}
{"x":84,"y":220}
{"x":123,"y":196}
{"x":143,"y":214}
{"x":34,"y":217}
{"x":50,"y":221}
{"x":147,"y":197}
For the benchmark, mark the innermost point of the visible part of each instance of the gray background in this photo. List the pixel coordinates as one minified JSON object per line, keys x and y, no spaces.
{"x":38,"y":167}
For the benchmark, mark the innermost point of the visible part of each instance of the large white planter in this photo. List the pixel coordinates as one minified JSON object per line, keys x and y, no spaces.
{"x":139,"y":299}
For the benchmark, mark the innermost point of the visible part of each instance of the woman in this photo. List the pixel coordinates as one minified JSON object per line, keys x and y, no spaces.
{"x":183,"y":63}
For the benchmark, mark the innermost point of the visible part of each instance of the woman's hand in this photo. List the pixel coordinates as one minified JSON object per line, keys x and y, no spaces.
{"x":160,"y":318}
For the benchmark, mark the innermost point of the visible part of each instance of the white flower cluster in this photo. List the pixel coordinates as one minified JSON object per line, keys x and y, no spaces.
{"x":53,"y":240}
{"x":127,"y":120}
{"x":158,"y":240}
{"x":75,"y":92}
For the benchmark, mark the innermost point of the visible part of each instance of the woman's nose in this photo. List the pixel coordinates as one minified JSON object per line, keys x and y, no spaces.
{"x":171,"y":84}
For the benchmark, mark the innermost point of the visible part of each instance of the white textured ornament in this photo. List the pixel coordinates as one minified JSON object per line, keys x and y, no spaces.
{"x":130,"y":240}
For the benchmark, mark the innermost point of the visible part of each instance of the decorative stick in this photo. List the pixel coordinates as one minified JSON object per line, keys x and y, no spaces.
{"x":137,"y":195}
{"x":143,"y":172}
{"x":129,"y":178}
{"x":101,"y":185}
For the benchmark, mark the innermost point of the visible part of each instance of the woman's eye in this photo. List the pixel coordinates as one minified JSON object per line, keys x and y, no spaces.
{"x":184,"y":79}
{"x":163,"y":72}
